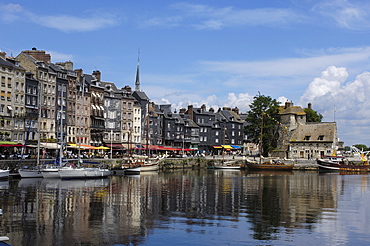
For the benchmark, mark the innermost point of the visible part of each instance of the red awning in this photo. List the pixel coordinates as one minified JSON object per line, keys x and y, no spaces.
{"x":115,"y":146}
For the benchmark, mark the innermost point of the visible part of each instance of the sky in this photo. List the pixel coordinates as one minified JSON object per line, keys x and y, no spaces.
{"x":217,"y":53}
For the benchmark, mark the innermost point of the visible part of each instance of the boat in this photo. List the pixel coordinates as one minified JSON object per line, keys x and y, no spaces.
{"x":341,"y":163}
{"x":34,"y":172}
{"x":70,"y":171}
{"x":4,"y":174}
{"x":137,"y":164}
{"x":270,"y":164}
{"x":225,"y":164}
{"x":73,"y":172}
{"x":276,"y":164}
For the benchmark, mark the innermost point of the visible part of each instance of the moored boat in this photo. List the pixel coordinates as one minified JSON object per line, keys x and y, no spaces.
{"x":270,"y":164}
{"x":340,"y":163}
{"x":4,"y":174}
{"x":72,"y":172}
{"x":30,"y":172}
{"x":227,"y":165}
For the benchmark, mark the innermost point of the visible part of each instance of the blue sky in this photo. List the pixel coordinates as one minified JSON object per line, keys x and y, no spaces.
{"x":218,"y":53}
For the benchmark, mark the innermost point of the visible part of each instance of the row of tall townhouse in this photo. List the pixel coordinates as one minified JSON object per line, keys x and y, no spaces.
{"x":57,"y":103}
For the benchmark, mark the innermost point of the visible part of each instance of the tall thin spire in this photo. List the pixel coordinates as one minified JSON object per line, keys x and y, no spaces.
{"x":137,"y":82}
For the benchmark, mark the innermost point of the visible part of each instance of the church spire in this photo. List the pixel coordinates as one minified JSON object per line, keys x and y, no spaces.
{"x":137,"y":82}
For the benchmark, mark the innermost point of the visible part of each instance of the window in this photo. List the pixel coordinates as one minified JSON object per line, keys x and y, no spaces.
{"x":307,"y":138}
{"x":321,"y":138}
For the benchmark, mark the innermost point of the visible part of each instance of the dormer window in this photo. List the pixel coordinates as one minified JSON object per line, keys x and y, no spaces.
{"x":306,"y":138}
{"x":321,"y":138}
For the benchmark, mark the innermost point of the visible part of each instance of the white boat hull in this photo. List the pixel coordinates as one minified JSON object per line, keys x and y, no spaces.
{"x":81,"y":173}
{"x":50,"y":173}
{"x":4,"y":174}
{"x":29,"y":173}
{"x":227,"y":167}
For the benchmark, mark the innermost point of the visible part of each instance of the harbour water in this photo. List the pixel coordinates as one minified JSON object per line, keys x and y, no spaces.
{"x":191,"y":207}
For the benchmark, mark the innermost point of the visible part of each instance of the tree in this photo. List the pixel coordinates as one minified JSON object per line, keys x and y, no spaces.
{"x":262,"y":122}
{"x":312,"y":115}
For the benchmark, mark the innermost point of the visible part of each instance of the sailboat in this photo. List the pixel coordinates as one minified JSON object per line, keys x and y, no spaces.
{"x":72,"y":172}
{"x":143,"y":163}
{"x":226,"y":164}
{"x":269,"y":163}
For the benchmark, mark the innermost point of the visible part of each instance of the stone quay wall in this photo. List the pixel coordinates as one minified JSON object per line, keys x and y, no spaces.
{"x":165,"y":164}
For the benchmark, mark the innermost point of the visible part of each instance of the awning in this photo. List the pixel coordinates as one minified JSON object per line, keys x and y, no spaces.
{"x":10,"y":108}
{"x":10,"y":144}
{"x":217,"y":146}
{"x":49,"y":145}
{"x":236,"y":146}
{"x":226,"y":146}
{"x":93,"y":106}
{"x":115,"y":146}
{"x":102,"y":147}
{"x":168,"y":148}
{"x":82,"y":146}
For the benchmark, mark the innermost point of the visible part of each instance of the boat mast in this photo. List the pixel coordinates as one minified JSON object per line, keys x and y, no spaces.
{"x":38,"y":123}
{"x":82,"y":107}
{"x":61,"y":126}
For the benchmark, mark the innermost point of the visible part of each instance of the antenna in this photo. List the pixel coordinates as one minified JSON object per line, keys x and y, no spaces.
{"x":335,"y":110}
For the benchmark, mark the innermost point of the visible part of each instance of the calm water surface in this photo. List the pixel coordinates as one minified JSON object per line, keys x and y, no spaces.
{"x":207,"y":207}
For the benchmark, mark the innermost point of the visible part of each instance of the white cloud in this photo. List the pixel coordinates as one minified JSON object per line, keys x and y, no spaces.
{"x":10,"y":12}
{"x":345,"y":102}
{"x":68,"y":23}
{"x":355,"y":16}
{"x":290,"y":66}
{"x":59,"y":57}
{"x":65,"y":23}
{"x":212,"y":18}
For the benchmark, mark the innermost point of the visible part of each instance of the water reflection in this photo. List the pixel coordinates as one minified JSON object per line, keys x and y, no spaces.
{"x":213,"y":206}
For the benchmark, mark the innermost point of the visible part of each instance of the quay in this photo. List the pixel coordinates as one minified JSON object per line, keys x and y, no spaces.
{"x":165,"y":164}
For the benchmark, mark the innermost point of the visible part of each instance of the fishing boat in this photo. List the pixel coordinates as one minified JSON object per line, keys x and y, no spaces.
{"x":270,"y":164}
{"x":341,"y":163}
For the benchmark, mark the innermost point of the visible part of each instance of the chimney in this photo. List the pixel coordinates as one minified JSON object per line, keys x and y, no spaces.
{"x":39,"y":55}
{"x":309,"y":105}
{"x":203,"y":107}
{"x":79,"y":74}
{"x":190,"y":111}
{"x":211,"y":110}
{"x":127,"y":88}
{"x":288,"y":104}
{"x":236,"y":110}
{"x":182,"y":110}
{"x":97,"y":74}
{"x":68,"y":65}
{"x":226,"y":108}
{"x":3,"y":55}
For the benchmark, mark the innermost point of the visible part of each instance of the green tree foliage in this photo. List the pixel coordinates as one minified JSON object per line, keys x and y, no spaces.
{"x":261,"y":120}
{"x":312,"y":115}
